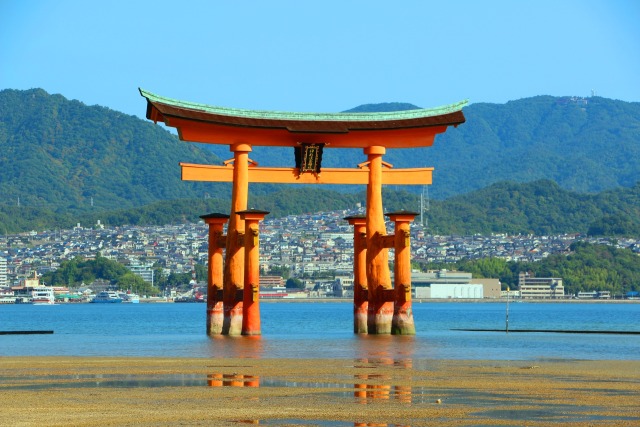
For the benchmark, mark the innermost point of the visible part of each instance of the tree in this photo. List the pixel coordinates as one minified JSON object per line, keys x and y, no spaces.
{"x":136,"y":284}
{"x":293,"y":283}
{"x":280,"y":270}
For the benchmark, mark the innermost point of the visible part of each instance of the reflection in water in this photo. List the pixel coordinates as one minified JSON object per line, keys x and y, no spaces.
{"x":232,"y":380}
{"x":320,"y":423}
{"x":379,"y":425}
{"x":366,"y":393}
{"x":395,"y":347}
{"x":237,"y":346}
{"x":383,"y":361}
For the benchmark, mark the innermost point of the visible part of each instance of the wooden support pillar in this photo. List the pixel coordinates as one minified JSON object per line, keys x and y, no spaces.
{"x":378,"y":278}
{"x":215,"y":276}
{"x":360,"y":289}
{"x":402,"y":323}
{"x":251,"y":297}
{"x":234,"y":262}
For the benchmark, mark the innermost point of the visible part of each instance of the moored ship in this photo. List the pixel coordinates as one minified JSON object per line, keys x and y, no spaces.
{"x":107,"y":297}
{"x":43,"y":295}
{"x":129,"y":297}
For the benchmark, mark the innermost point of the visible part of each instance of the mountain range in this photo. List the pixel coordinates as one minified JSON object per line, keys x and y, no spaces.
{"x":60,"y":159}
{"x":583,"y":144}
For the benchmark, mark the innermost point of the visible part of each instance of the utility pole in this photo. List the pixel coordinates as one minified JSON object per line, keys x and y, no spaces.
{"x":507,"y":320}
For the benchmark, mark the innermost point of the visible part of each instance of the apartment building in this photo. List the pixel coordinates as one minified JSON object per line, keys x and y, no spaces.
{"x":531,"y":287}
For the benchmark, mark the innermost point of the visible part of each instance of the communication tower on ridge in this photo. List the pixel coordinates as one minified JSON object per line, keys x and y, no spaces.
{"x":193,"y":282}
{"x":424,"y":206}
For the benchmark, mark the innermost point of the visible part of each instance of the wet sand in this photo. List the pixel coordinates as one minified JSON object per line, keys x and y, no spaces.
{"x":79,"y":391}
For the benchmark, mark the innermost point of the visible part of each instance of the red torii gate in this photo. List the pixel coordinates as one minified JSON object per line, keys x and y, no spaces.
{"x":233,"y":282}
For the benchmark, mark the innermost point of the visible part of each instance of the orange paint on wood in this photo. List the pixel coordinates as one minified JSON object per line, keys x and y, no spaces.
{"x":360,"y":288}
{"x":251,"y":297}
{"x":402,"y":322}
{"x":212,"y":173}
{"x":215,"y":273}
{"x":378,"y":277}
{"x":234,"y":262}
{"x":212,"y":133}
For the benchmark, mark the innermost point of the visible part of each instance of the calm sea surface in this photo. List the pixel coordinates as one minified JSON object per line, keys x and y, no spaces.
{"x":324,"y":330}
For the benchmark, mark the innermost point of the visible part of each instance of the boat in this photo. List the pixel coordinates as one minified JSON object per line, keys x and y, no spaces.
{"x":43,"y":295}
{"x":194,"y":296}
{"x":107,"y":297}
{"x":129,"y":298}
{"x":31,"y":291}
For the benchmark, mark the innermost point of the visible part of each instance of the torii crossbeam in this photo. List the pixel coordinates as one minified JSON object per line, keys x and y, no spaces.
{"x":380,"y":307}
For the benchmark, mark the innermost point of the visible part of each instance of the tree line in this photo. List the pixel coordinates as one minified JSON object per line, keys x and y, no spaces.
{"x":588,"y":267}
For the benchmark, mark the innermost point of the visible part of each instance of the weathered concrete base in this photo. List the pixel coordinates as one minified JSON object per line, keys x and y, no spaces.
{"x":233,"y":320}
{"x":215,"y":319}
{"x":403,"y":323}
{"x":360,"y":318}
{"x":382,"y":319}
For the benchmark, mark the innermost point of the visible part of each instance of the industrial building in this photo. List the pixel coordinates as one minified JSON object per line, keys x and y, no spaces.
{"x":445,"y":284}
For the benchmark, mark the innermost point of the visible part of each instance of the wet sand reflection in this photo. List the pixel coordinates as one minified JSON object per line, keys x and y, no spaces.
{"x":232,"y":380}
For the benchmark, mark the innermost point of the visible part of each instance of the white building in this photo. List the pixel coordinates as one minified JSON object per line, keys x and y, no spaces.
{"x":3,"y":272}
{"x":143,"y":270}
{"x":458,"y":290}
{"x":540,"y":287}
{"x":446,"y":284}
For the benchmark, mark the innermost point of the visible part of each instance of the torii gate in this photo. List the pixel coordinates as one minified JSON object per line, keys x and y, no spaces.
{"x":233,"y":284}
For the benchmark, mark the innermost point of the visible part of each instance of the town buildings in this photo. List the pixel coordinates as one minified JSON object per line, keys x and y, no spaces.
{"x":316,"y":248}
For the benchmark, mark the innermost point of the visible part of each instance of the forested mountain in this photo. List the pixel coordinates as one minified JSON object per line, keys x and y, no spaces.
{"x":540,"y":208}
{"x":583,"y":144}
{"x":62,"y":156}
{"x":67,"y":162}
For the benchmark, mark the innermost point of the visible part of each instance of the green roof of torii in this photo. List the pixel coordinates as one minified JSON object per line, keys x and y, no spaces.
{"x":287,"y":116}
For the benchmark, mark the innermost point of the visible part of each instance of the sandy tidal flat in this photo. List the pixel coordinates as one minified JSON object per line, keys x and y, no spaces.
{"x":75,"y":391}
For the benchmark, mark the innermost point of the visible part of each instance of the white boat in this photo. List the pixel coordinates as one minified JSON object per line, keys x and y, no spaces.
{"x":129,"y":298}
{"x":107,"y":297}
{"x":43,"y":295}
{"x":31,"y":291}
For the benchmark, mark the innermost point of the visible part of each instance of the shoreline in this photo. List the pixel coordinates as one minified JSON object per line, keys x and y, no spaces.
{"x":415,"y":301}
{"x":92,"y":391}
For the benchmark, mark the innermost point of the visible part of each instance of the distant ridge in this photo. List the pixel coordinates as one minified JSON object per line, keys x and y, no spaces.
{"x":57,"y":153}
{"x":583,"y":144}
{"x":61,"y":159}
{"x":382,"y":107}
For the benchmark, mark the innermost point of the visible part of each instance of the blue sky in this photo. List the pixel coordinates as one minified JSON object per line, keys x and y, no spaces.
{"x":323,"y":56}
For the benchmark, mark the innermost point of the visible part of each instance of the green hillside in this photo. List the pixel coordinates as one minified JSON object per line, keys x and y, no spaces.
{"x":64,"y":156}
{"x":583,"y":144}
{"x":63,"y":162}
{"x":540,"y":208}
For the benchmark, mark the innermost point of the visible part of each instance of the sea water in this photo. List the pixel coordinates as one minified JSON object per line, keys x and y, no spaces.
{"x":325,"y":330}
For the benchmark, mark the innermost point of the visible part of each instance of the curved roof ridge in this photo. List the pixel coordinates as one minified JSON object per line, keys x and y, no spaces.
{"x":283,"y":115}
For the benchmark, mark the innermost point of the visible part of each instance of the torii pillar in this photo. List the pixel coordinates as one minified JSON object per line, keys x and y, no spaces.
{"x":381,"y":297}
{"x":217,"y":242}
{"x":234,"y":261}
{"x":402,"y":323}
{"x":251,"y":295}
{"x":360,"y":288}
